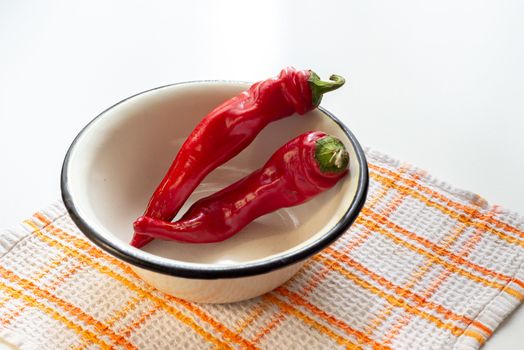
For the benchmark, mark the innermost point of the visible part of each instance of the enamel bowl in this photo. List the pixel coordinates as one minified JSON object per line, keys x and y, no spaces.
{"x":115,"y":163}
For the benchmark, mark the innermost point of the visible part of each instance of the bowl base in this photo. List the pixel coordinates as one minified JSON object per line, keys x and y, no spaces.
{"x":218,"y":291}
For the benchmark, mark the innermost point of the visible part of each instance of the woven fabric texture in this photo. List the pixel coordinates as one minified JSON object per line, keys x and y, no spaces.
{"x":425,"y":266}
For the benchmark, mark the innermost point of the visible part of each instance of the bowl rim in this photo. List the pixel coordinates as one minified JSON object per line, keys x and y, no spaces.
{"x":205,"y":271}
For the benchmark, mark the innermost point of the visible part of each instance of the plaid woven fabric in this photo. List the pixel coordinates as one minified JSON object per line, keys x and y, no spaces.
{"x":425,"y":266}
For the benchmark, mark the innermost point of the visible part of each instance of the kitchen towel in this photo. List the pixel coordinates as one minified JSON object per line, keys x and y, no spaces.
{"x":425,"y":266}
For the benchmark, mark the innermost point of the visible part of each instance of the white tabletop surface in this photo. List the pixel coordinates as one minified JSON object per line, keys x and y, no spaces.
{"x":436,"y":84}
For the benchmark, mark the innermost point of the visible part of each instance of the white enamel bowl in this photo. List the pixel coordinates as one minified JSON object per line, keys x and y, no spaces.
{"x":115,"y":163}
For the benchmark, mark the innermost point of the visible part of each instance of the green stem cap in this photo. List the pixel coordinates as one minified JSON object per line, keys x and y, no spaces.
{"x":331,"y":155}
{"x":320,"y":87}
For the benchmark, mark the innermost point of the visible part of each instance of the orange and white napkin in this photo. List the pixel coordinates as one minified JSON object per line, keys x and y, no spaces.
{"x":425,"y":266}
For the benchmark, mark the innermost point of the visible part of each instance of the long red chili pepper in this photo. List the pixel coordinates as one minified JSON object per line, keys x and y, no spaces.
{"x":307,"y":165}
{"x":230,"y":128}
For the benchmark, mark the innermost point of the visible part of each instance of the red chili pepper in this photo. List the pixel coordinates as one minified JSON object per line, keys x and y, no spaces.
{"x":230,"y":128}
{"x":307,"y":165}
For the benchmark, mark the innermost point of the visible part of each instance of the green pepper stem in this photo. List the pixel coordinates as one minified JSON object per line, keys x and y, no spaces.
{"x":320,"y":87}
{"x":331,"y":155}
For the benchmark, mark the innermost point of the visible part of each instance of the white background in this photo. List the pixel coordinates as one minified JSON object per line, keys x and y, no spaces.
{"x":437,"y":84}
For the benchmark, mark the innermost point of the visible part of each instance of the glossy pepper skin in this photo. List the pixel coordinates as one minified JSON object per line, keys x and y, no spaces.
{"x":304,"y":167}
{"x":230,"y":128}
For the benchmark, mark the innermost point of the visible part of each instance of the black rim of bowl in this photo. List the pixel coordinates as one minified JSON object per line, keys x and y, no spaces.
{"x":205,"y":271}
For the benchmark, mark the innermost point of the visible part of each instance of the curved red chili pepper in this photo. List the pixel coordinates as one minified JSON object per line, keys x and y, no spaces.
{"x":307,"y":165}
{"x":230,"y":128}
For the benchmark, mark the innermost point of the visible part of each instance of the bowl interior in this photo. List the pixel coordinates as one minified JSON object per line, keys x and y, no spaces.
{"x":118,"y":160}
